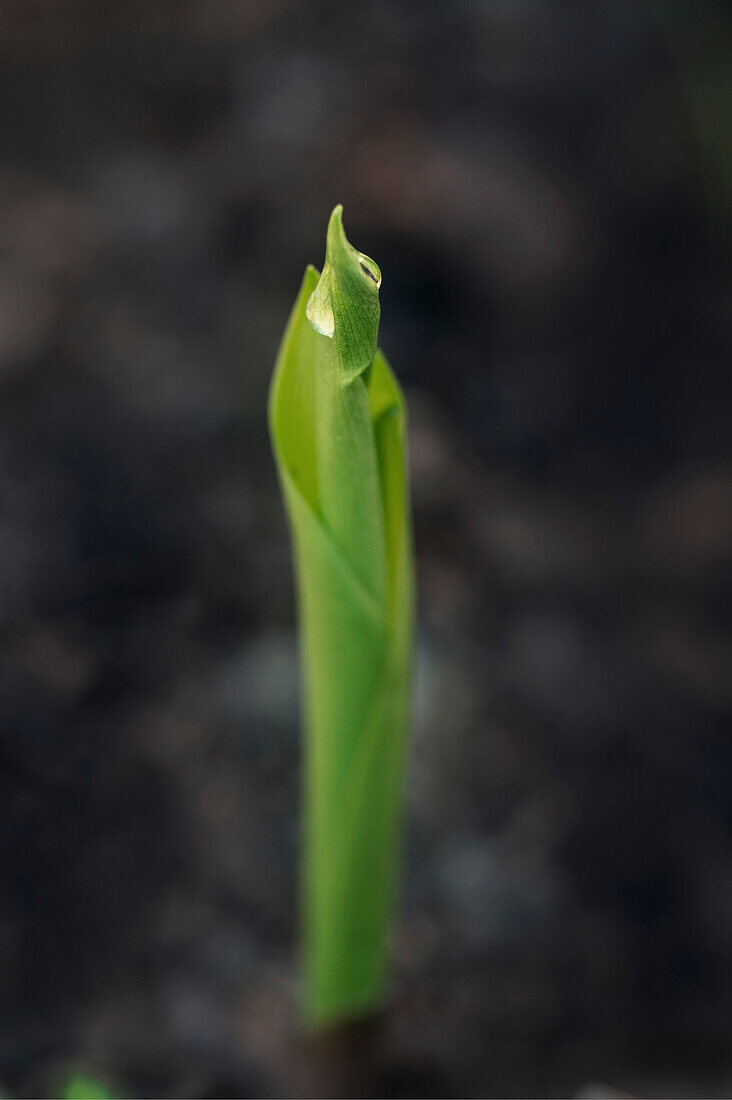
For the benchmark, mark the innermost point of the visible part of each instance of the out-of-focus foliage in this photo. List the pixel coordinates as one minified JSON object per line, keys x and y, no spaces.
{"x":82,"y":1087}
{"x":699,"y":35}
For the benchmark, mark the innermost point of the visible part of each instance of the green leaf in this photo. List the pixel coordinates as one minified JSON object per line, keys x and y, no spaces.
{"x":345,"y":303}
{"x":338,"y":428}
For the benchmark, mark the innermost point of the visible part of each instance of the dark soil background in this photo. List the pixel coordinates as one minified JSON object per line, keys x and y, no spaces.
{"x":545,"y":189}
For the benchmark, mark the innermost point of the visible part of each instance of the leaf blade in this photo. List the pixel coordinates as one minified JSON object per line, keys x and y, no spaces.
{"x":339,"y":438}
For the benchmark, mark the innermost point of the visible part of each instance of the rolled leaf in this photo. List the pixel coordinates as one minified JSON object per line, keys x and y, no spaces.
{"x":337,"y":424}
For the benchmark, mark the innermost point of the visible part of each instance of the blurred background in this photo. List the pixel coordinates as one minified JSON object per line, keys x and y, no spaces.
{"x":546,"y":186}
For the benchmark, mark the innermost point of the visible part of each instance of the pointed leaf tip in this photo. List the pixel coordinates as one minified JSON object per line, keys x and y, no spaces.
{"x":336,"y":241}
{"x":348,"y":291}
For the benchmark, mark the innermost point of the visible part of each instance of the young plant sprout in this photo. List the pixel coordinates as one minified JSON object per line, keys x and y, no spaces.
{"x":338,"y":425}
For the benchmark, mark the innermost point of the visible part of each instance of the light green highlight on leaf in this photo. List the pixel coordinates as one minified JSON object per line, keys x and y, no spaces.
{"x":338,"y":427}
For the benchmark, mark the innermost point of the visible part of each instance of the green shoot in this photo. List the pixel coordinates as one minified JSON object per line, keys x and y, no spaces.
{"x":337,"y":423}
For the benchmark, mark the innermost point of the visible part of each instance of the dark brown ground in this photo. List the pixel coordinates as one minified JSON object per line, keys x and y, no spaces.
{"x":556,"y":300}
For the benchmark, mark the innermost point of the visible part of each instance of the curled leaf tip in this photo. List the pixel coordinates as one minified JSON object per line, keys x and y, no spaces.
{"x":341,"y":254}
{"x":336,"y":235}
{"x":348,"y":288}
